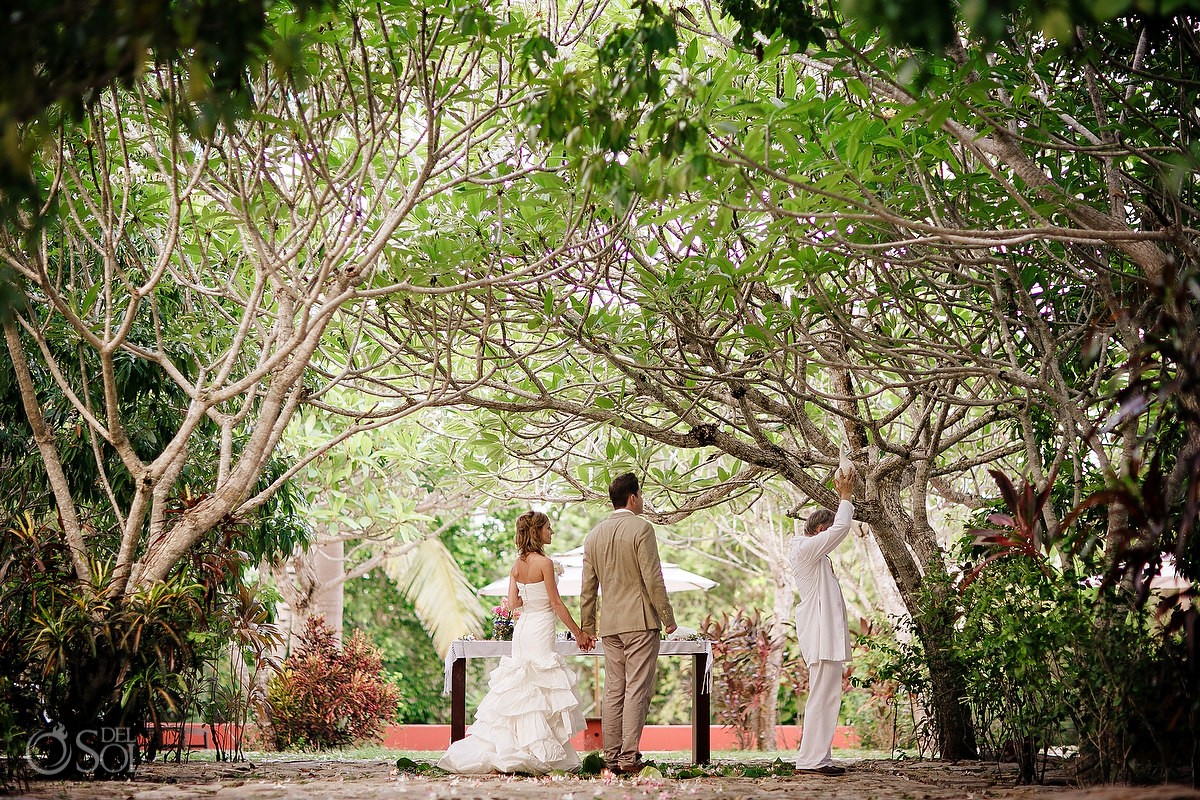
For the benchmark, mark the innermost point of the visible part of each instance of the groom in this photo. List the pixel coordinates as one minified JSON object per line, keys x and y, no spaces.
{"x":620,"y":558}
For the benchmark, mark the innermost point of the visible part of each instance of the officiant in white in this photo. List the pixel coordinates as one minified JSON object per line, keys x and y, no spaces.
{"x":821,"y":626}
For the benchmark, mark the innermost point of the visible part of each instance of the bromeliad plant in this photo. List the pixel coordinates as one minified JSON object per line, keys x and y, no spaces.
{"x":329,"y":696}
{"x":73,"y":655}
{"x":85,"y":661}
{"x":741,"y":647}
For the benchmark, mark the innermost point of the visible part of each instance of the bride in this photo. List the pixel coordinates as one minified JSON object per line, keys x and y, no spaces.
{"x":531,"y":710}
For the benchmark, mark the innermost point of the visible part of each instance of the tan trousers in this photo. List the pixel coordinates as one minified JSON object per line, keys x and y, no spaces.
{"x":630,"y":660}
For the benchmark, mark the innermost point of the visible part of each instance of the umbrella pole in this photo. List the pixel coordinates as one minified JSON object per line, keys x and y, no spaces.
{"x":596,"y":687}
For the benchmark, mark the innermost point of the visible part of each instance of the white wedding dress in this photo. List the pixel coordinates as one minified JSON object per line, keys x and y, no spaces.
{"x":531,"y":710}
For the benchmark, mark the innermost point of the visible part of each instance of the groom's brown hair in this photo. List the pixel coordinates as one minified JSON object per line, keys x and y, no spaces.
{"x":622,"y":488}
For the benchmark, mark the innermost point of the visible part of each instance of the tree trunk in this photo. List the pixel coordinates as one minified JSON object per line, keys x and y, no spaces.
{"x":784,"y":604}
{"x":947,"y":686}
{"x":898,"y":540}
{"x":329,"y":597}
{"x":310,"y":583}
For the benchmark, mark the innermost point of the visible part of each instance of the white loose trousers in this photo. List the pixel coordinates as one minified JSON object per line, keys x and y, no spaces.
{"x":820,"y":714}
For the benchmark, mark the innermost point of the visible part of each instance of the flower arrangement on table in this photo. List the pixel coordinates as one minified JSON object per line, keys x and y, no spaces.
{"x":502,"y":621}
{"x":685,"y":634}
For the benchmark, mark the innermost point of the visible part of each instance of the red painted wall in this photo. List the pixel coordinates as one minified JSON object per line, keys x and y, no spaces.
{"x":654,"y":737}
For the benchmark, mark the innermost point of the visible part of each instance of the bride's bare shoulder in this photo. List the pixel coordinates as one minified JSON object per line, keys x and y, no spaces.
{"x":537,"y":560}
{"x":529,"y":567}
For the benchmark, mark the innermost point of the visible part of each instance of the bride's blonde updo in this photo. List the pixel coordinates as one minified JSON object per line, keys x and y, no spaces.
{"x":528,"y":526}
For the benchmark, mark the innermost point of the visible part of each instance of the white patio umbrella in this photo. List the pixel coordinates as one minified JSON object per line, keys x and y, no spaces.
{"x":570,"y":583}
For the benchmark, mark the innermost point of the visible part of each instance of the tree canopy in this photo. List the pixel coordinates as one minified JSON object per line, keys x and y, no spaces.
{"x":723,"y":246}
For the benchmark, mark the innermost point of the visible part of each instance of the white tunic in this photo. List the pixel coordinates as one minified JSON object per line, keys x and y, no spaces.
{"x":821,"y":613}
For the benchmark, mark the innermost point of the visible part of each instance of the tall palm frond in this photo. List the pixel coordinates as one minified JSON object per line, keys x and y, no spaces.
{"x":445,"y":602}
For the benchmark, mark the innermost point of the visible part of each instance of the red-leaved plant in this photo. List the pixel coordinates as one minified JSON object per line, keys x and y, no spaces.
{"x":326,"y":697}
{"x":1021,"y":532}
{"x":741,"y":649}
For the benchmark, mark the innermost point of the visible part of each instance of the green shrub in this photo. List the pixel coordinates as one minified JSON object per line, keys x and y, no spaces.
{"x":75,"y":657}
{"x":877,"y":706}
{"x":325,"y":697}
{"x":1051,"y":661}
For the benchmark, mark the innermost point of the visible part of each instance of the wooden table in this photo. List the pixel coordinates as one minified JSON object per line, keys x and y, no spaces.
{"x":700,"y":651}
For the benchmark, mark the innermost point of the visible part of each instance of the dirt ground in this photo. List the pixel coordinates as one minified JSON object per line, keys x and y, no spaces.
{"x":372,"y":780}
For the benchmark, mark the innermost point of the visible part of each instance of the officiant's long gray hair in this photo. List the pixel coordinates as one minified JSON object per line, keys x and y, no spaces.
{"x":529,"y":525}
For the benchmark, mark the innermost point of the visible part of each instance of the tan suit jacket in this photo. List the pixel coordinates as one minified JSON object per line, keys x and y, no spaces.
{"x":620,"y":559}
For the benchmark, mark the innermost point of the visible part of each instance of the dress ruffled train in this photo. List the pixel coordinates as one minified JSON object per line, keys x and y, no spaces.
{"x":531,"y":711}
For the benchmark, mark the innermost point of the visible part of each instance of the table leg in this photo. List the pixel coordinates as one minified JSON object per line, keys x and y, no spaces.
{"x":458,"y":700}
{"x":701,"y":742}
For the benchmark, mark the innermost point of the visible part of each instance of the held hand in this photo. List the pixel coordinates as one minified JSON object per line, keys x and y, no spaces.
{"x":671,"y":629}
{"x":843,"y":482}
{"x":585,"y":641}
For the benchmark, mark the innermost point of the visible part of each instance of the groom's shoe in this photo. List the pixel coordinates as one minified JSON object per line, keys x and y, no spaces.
{"x":631,"y":769}
{"x":830,"y":770}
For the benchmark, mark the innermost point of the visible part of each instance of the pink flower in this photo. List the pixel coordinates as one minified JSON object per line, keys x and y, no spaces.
{"x":502,"y":611}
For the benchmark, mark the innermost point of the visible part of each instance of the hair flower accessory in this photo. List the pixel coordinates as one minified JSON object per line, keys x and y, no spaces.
{"x":559,"y":569}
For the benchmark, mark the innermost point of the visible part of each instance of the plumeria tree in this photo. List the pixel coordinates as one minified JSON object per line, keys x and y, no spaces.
{"x":381,"y":500}
{"x":928,"y":262}
{"x":230,"y":272}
